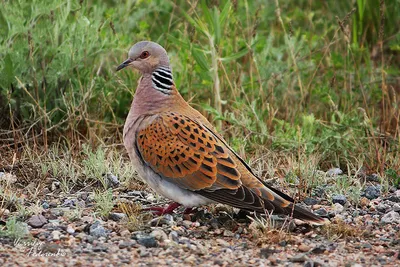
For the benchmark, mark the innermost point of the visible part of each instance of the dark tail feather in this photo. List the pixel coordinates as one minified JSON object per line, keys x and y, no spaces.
{"x":305,"y":215}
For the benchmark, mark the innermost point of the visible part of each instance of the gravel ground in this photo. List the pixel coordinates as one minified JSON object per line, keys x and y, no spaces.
{"x":67,"y":232}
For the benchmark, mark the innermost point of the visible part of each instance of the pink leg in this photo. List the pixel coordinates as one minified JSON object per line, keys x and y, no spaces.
{"x":161,"y":211}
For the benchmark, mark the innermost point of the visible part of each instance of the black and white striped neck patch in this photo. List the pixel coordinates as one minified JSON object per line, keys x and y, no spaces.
{"x":162,"y":79}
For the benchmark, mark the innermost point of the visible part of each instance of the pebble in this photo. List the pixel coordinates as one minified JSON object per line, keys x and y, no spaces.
{"x":159,"y":234}
{"x":100,"y":248}
{"x":337,"y":208}
{"x":189,"y":224}
{"x":341,"y":199}
{"x":364,"y":202}
{"x":222,"y":242}
{"x":55,"y":235}
{"x":112,"y":180}
{"x":37,"y":221}
{"x":173,"y":235}
{"x":97,"y":230}
{"x":396,"y":207}
{"x":321,"y":212}
{"x":147,"y":241}
{"x":267,"y":252}
{"x":304,"y":248}
{"x":372,"y":192}
{"x":318,"y":249}
{"x":310,"y":201}
{"x":45,"y":205}
{"x":127,"y":244}
{"x":69,"y":203}
{"x":302,"y":257}
{"x":381,"y":207}
{"x":57,"y":212}
{"x":116,"y":216}
{"x":391,"y":217}
{"x":334,"y":172}
{"x":228,"y":233}
{"x":70,"y":229}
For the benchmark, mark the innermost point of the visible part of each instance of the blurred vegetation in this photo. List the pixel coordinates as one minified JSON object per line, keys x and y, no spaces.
{"x":312,"y":77}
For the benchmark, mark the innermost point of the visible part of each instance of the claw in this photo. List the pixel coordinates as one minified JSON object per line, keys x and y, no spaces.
{"x":161,"y":211}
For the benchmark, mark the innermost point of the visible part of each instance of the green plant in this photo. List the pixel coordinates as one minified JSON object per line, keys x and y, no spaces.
{"x":14,"y":229}
{"x":103,"y":202}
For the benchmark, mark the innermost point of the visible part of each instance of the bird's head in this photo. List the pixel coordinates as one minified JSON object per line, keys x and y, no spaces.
{"x":146,"y":56}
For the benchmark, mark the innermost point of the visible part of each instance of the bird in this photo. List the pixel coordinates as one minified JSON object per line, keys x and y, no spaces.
{"x":179,"y":153}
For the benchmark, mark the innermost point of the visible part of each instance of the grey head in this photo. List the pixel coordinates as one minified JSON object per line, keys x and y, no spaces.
{"x":146,"y":56}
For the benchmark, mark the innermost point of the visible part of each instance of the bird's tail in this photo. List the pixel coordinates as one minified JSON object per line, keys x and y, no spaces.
{"x":305,"y":215}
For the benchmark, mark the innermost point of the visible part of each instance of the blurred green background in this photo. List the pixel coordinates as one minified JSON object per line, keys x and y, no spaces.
{"x":317,"y":77}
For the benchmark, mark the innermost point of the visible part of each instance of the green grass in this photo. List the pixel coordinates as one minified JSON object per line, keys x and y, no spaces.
{"x":315,"y":80}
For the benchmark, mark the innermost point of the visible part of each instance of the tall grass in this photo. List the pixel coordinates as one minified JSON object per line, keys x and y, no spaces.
{"x":305,"y":77}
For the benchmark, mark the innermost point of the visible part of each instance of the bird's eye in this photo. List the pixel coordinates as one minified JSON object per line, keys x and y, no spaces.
{"x":144,"y":55}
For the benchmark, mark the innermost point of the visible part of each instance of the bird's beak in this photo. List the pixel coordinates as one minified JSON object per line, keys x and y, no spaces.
{"x":124,"y":64}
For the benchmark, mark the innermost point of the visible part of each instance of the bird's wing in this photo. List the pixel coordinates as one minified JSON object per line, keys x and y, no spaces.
{"x":191,"y":156}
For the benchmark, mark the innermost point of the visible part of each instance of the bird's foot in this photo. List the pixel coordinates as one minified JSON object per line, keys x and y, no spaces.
{"x":161,"y":211}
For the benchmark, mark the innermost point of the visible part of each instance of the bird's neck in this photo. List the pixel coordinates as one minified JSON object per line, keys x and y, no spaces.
{"x":156,"y":91}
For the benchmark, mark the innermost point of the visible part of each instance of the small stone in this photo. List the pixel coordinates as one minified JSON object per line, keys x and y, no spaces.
{"x":147,"y":241}
{"x":70,"y":229}
{"x":222,"y":243}
{"x":302,"y":257}
{"x":372,"y":192}
{"x":173,"y":235}
{"x":364,"y":202}
{"x":116,"y":216}
{"x":45,"y":205}
{"x":396,"y":207}
{"x":144,"y":253}
{"x":273,"y":260}
{"x":159,"y":234}
{"x":100,"y":248}
{"x":112,"y":180}
{"x":55,"y":235}
{"x":69,"y":203}
{"x":125,"y":233}
{"x":228,"y":233}
{"x":57,"y":212}
{"x":334,"y":172}
{"x":304,"y":248}
{"x":127,"y":244}
{"x":337,"y":208}
{"x":391,"y":217}
{"x":187,"y":224}
{"x":37,"y":221}
{"x":97,"y":230}
{"x":321,"y":212}
{"x":310,"y":201}
{"x":267,"y":252}
{"x":341,"y":199}
{"x":191,"y":259}
{"x":318,"y":249}
{"x":382,"y":207}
